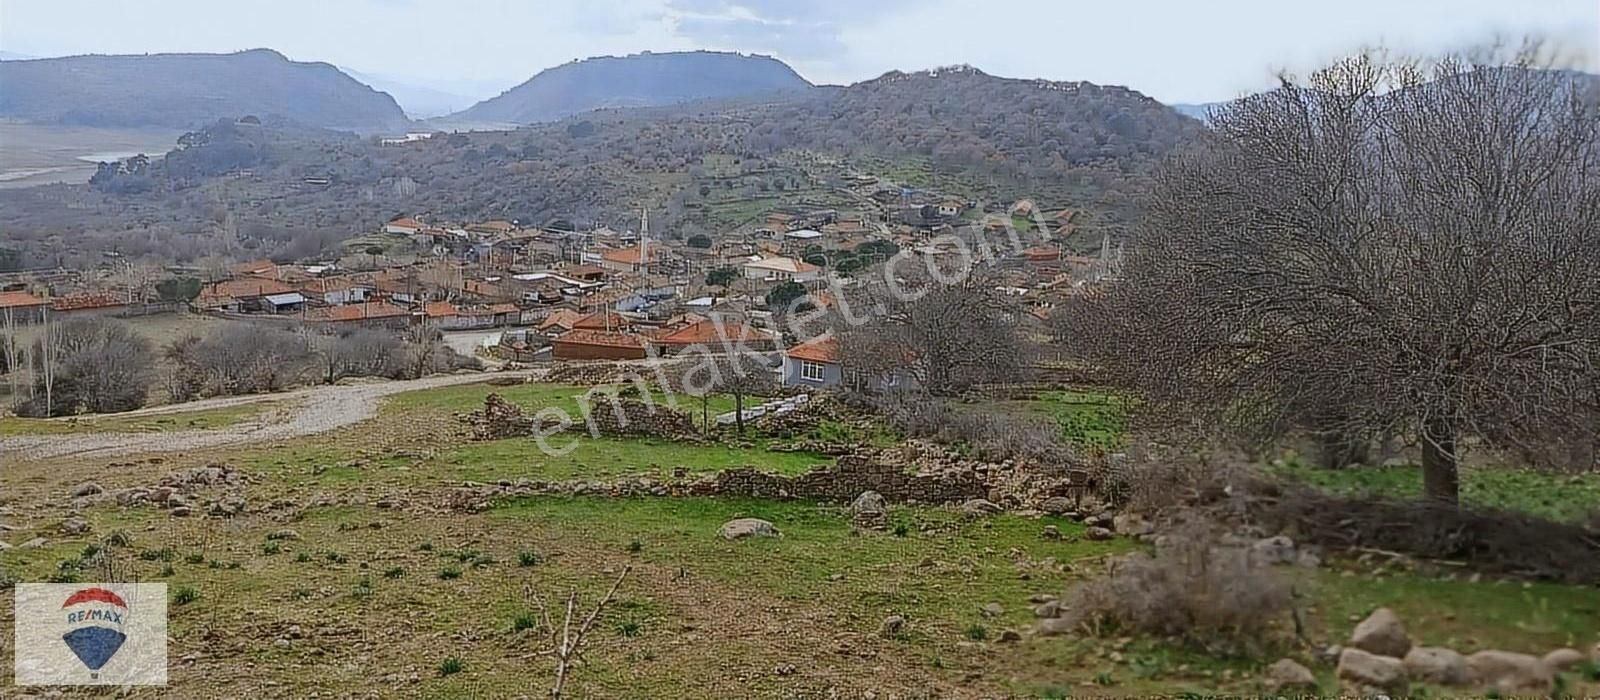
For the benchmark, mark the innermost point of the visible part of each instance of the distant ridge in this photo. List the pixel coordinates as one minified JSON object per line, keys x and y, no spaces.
{"x":186,"y":90}
{"x":638,"y":80}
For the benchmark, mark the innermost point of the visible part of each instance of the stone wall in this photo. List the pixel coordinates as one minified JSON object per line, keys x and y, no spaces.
{"x":843,"y":482}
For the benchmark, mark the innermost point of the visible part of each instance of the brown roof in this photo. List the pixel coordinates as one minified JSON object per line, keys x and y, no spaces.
{"x":247,"y":288}
{"x":613,"y":340}
{"x":252,"y":267}
{"x":822,"y":348}
{"x":359,"y":312}
{"x":626,"y":256}
{"x":323,"y":285}
{"x":439,"y":309}
{"x":405,"y":221}
{"x":707,"y":332}
{"x":601,"y":320}
{"x":16,"y":300}
{"x":561,"y":318}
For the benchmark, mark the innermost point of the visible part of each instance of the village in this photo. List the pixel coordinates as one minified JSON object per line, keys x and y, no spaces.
{"x":552,"y":293}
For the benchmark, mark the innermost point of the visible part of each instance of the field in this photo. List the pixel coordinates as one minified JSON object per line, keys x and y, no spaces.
{"x":349,"y":560}
{"x":32,"y":154}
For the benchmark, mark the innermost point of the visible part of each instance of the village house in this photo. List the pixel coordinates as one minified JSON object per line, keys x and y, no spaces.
{"x":633,"y":259}
{"x":403,"y":226}
{"x":91,"y":304}
{"x":781,"y":269}
{"x":335,"y":291}
{"x":242,"y":295}
{"x":22,"y":306}
{"x":716,"y":336}
{"x":814,"y":363}
{"x":597,"y":345}
{"x":372,"y":313}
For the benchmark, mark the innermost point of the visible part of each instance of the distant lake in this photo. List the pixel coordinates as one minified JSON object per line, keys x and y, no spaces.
{"x":38,"y":154}
{"x":108,"y":156}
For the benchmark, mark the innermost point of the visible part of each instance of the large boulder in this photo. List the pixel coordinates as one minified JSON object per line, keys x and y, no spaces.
{"x":87,"y":488}
{"x":1131,"y":524}
{"x":870,"y":511}
{"x":1382,"y":634}
{"x":1289,"y":676}
{"x":1511,"y":673}
{"x":1562,"y":660}
{"x":1361,"y":673}
{"x":1274,"y":550}
{"x":891,"y":626}
{"x":1438,"y":665}
{"x":743,"y":528}
{"x":1056,"y":505}
{"x":979,"y":508}
{"x":75,"y":526}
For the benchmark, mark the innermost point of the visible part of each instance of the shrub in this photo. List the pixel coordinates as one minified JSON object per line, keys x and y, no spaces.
{"x":394,"y":572}
{"x":524,"y":621}
{"x":271,"y":548}
{"x":163,"y":554}
{"x":118,"y":538}
{"x":1213,"y":596}
{"x":194,"y":559}
{"x":635,"y":546}
{"x":628,"y":628}
{"x":449,"y":573}
{"x":303,"y":557}
{"x":528,"y":557}
{"x":184,"y":595}
{"x":452,"y":666}
{"x":976,"y":632}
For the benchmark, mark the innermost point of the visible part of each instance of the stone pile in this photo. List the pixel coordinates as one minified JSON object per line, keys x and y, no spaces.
{"x":180,"y":492}
{"x":1380,"y":657}
{"x":632,"y":417}
{"x":498,"y":419}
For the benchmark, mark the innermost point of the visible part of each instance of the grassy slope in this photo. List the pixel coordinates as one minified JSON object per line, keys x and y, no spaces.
{"x":699,"y":617}
{"x":1557,"y":496}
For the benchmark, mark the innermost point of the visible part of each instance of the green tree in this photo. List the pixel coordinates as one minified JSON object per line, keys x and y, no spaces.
{"x":722,"y":276}
{"x":782,"y":295}
{"x":699,"y":240}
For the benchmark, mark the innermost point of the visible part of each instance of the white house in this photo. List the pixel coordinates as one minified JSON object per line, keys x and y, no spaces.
{"x":403,"y":226}
{"x":781,"y":269}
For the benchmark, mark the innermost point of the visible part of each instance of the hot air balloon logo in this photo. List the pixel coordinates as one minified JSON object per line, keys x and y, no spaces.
{"x":95,"y":619}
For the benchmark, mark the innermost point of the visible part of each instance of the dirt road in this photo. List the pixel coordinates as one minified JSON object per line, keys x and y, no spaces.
{"x":304,"y":412}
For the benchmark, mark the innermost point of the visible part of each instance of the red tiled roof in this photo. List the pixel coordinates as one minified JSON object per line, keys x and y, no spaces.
{"x":625,"y":256}
{"x":359,"y":312}
{"x":405,"y":221}
{"x":17,"y":300}
{"x":561,"y":318}
{"x":708,"y":332}
{"x":600,"y":321}
{"x":439,"y":309}
{"x":252,"y":267}
{"x":822,"y":348}
{"x":614,"y":340}
{"x":323,"y":285}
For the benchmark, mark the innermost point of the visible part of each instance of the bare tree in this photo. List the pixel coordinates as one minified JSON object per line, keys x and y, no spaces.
{"x":360,"y":353}
{"x":742,"y":374}
{"x":1385,"y":248}
{"x":949,"y":335}
{"x":91,"y":365}
{"x":566,"y":643}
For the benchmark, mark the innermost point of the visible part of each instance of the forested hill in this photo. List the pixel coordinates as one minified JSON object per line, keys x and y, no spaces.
{"x":640,"y":80}
{"x":190,"y":90}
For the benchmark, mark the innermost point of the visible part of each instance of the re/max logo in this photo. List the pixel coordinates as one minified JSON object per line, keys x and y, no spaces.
{"x":111,"y":616}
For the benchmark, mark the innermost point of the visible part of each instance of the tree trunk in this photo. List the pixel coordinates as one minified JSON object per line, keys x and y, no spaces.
{"x":738,"y":412}
{"x":1440,"y":480}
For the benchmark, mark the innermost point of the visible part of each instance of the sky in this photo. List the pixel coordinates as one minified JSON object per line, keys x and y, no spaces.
{"x":1173,"y":50}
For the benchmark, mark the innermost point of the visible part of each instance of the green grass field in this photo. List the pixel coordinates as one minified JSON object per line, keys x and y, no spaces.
{"x":1556,"y":496}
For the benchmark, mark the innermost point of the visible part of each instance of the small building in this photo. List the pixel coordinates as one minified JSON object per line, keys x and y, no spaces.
{"x":597,"y":345}
{"x":22,"y":306}
{"x":632,"y":259}
{"x":286,"y":303}
{"x":715,"y":336}
{"x":814,"y":363}
{"x":781,"y":269}
{"x":403,"y":226}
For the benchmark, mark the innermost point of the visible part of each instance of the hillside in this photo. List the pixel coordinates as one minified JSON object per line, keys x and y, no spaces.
{"x":640,"y":80}
{"x":188,"y":90}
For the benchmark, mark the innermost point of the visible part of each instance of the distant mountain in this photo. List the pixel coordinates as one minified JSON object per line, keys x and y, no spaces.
{"x":639,"y":80}
{"x":419,"y":101}
{"x":14,"y":56}
{"x":189,"y":90}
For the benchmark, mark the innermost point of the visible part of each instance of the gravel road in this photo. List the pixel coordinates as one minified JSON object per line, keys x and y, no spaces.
{"x":303,"y":412}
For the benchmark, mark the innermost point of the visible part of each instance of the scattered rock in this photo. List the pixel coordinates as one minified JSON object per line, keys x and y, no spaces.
{"x":75,"y":526}
{"x":979,"y":508}
{"x":1289,"y":676}
{"x":182,"y":512}
{"x":1511,"y":673}
{"x":785,"y":669}
{"x":1382,"y":634}
{"x":1274,"y":551}
{"x":1131,"y":524}
{"x":1053,"y":627}
{"x":742,"y":528}
{"x":281,"y":643}
{"x":1038,"y":598}
{"x":34,"y":543}
{"x":1437,"y":665}
{"x":1361,"y":672}
{"x":1056,"y":505}
{"x":1009,"y":635}
{"x":992,"y":610}
{"x":88,"y":488}
{"x":1047,"y":609}
{"x":295,"y":632}
{"x":1098,"y":533}
{"x":891,"y":626}
{"x":1051,"y":532}
{"x":1562,"y":660}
